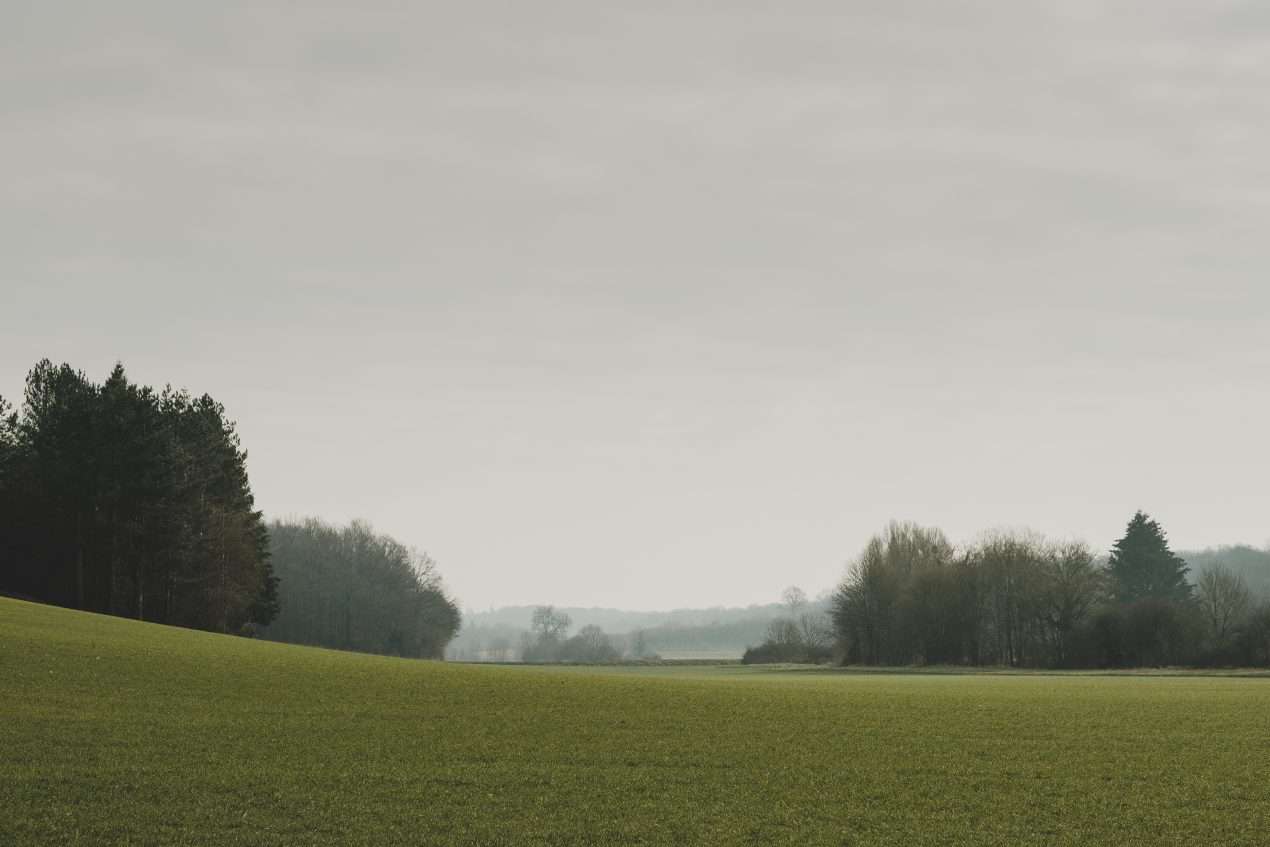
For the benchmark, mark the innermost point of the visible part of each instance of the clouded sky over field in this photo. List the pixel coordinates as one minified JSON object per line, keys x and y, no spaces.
{"x":660,"y":304}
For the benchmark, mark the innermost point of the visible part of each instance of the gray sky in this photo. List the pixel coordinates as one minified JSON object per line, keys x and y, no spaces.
{"x":662,"y":304}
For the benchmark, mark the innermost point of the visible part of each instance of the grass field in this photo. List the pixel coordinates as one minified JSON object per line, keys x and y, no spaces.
{"x":115,"y":732}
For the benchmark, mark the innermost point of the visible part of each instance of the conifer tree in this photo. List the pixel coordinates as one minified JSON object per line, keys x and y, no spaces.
{"x":1142,"y":565}
{"x":117,"y":499}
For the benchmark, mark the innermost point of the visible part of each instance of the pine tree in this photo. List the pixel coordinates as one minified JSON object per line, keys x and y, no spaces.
{"x":116,"y":499}
{"x":9,"y":444}
{"x":56,"y":431}
{"x":1142,"y":565}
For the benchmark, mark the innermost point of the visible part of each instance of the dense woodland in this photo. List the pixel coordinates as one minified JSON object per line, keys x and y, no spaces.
{"x":120,"y":499}
{"x":353,"y":589}
{"x":1019,"y":600}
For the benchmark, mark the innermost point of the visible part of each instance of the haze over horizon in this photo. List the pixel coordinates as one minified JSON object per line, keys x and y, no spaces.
{"x":665,"y":307}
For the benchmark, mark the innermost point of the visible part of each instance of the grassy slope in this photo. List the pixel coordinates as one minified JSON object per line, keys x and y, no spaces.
{"x":118,"y":732}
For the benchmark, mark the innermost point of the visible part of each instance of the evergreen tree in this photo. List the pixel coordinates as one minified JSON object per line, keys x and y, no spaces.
{"x":61,"y":480}
{"x":116,"y":499}
{"x":1142,"y":565}
{"x":9,"y":444}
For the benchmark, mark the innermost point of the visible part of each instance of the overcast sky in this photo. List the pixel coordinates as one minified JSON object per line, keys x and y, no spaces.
{"x":654,"y":304}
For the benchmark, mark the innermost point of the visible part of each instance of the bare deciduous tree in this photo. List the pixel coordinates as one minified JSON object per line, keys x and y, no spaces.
{"x":1072,"y":583}
{"x":869,"y":606}
{"x":783,"y":631}
{"x":1224,"y":599}
{"x":795,"y":599}
{"x":550,"y":625}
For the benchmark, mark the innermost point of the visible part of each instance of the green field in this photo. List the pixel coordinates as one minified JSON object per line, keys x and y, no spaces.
{"x":115,"y":732}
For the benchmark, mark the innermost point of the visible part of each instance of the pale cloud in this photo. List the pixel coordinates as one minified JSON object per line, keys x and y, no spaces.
{"x":660,"y":303}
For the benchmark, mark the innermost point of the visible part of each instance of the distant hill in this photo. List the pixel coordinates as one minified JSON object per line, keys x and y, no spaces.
{"x":622,"y":620}
{"x":716,"y":633}
{"x":1249,"y":562}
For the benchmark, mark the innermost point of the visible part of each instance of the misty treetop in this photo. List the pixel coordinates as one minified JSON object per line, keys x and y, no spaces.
{"x":353,"y":589}
{"x":548,"y":640}
{"x":121,"y":499}
{"x":1250,"y":564}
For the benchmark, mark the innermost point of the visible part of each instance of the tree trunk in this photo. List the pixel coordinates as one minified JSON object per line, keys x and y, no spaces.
{"x":348,"y":623}
{"x":79,"y":560}
{"x":110,"y":564}
{"x":139,"y":574}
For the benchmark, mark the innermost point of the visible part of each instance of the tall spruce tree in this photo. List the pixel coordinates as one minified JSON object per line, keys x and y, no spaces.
{"x":1142,"y":565}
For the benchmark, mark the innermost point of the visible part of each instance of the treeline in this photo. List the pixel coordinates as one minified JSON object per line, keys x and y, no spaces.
{"x":121,"y":499}
{"x":1021,"y":601}
{"x":352,"y":589}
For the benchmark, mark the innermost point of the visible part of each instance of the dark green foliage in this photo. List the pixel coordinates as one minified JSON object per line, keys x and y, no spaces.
{"x":1017,"y":600}
{"x":352,"y":589}
{"x":121,"y":500}
{"x":1159,"y":632}
{"x":1104,"y":642}
{"x":1142,"y":565}
{"x":1253,"y":640}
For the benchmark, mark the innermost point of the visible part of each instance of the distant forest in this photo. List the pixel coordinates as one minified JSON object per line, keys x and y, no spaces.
{"x":912,"y":598}
{"x":1018,"y":600}
{"x":352,"y":589}
{"x":120,"y":499}
{"x":1248,"y":563}
{"x":718,"y":633}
